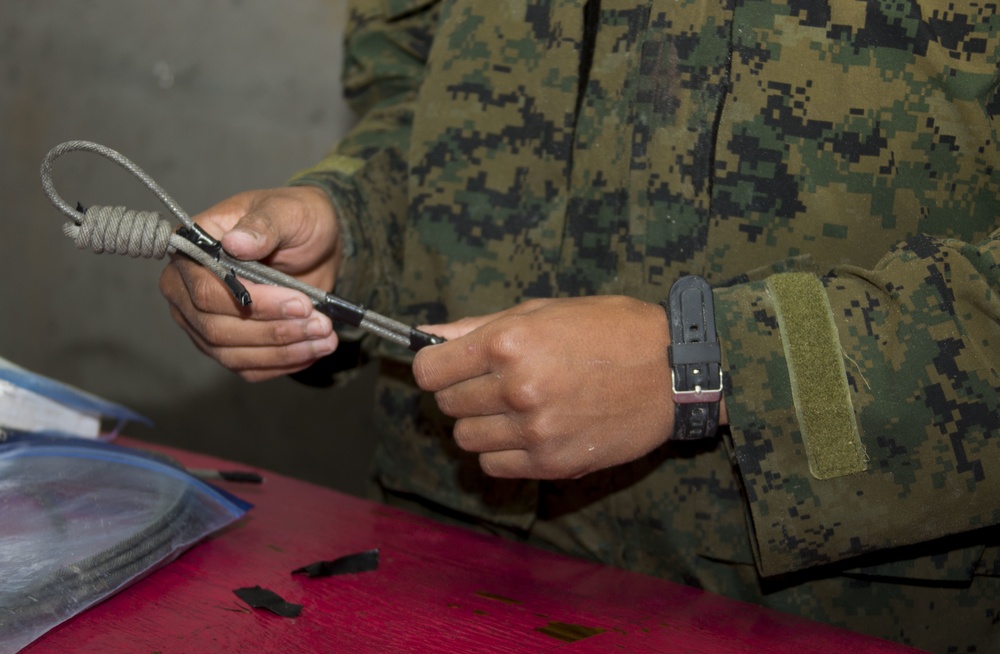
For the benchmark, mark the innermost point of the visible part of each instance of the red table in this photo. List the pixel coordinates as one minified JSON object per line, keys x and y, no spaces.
{"x":437,"y":589}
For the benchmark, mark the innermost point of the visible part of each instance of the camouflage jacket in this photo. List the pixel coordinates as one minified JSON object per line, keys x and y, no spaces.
{"x":831,"y":167}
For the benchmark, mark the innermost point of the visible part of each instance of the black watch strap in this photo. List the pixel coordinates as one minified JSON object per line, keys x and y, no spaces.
{"x":695,"y":359}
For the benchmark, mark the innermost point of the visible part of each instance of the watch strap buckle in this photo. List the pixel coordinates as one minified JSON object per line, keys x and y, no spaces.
{"x":698,"y":395}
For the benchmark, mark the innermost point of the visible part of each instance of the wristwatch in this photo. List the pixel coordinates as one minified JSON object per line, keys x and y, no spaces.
{"x":695,"y":359}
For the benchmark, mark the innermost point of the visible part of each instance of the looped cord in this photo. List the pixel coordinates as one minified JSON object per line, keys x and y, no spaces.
{"x":117,"y":230}
{"x":146,"y":234}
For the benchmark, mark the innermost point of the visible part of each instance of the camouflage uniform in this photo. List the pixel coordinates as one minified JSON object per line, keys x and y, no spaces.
{"x":832,"y":168}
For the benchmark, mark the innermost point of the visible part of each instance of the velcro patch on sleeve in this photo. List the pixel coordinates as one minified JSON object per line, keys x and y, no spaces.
{"x":819,"y":380}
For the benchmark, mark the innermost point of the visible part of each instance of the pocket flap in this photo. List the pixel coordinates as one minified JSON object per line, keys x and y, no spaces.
{"x":398,"y":8}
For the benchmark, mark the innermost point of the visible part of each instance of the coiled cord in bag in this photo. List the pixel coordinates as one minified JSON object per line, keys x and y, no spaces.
{"x":173,"y":511}
{"x":76,"y":586}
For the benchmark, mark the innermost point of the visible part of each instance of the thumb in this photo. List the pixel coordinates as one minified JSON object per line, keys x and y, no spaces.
{"x":254,"y":237}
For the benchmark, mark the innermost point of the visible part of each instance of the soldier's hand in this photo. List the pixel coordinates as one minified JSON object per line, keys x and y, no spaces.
{"x":554,"y":388}
{"x":291,"y":229}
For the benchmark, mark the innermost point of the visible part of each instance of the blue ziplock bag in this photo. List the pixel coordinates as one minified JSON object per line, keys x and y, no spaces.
{"x":70,"y":396}
{"x":80,"y":520}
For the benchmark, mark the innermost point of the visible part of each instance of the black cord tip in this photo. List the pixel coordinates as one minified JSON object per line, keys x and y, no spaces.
{"x":240,"y":291}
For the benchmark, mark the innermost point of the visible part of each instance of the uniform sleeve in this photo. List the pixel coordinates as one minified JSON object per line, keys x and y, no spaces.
{"x":864,"y":405}
{"x":386,"y":46}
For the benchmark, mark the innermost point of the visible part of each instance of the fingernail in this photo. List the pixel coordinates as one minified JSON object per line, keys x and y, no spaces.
{"x":323,"y":348}
{"x":240,"y":242}
{"x":247,"y":234}
{"x":295,"y":309}
{"x":316,"y":329}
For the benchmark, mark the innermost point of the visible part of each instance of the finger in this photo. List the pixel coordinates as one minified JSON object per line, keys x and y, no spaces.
{"x":459,"y":359}
{"x":438,"y":367}
{"x":523,"y":464}
{"x":208,"y":294}
{"x":279,"y":359}
{"x":459,"y":328}
{"x":487,"y":434}
{"x":473,"y":347}
{"x":264,"y":362}
{"x":479,"y":396}
{"x":277,"y":317}
{"x":278,"y":302}
{"x":172,"y":285}
{"x":198,"y":288}
{"x":509,"y":464}
{"x":220,"y":330}
{"x":226,"y":331}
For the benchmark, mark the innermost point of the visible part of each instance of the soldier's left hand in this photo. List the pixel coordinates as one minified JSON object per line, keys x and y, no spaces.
{"x":556,"y":388}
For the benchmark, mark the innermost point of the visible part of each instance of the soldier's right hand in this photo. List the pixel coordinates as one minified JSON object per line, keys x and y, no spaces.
{"x":293,"y":230}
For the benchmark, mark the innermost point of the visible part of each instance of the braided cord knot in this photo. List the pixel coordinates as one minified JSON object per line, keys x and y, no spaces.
{"x":117,"y":230}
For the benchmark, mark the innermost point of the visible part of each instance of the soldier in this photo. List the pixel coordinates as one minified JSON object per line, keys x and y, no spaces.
{"x":532,"y":180}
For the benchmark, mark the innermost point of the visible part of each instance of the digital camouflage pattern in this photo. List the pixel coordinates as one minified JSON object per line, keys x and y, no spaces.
{"x":512,"y":150}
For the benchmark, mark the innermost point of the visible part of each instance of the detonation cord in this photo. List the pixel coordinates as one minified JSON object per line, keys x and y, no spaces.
{"x":118,"y":230}
{"x":173,"y":523}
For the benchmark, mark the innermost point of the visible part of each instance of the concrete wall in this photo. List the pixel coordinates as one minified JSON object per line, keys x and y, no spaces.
{"x":210,"y":97}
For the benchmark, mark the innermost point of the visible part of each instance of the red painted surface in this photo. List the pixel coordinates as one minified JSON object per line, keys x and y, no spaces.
{"x":437,"y":589}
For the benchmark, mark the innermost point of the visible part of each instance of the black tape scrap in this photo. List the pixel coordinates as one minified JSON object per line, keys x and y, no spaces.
{"x":360,"y":562}
{"x":262,"y":598}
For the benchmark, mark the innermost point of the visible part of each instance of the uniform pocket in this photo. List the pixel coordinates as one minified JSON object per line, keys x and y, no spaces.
{"x":940,"y":561}
{"x":395,"y":9}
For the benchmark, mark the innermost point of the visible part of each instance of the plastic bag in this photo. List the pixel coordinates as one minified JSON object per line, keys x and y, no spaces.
{"x":83,"y":519}
{"x":21,"y":412}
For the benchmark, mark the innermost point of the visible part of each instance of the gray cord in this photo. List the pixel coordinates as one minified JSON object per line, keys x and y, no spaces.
{"x":119,"y":230}
{"x":147,"y":234}
{"x":109,"y":229}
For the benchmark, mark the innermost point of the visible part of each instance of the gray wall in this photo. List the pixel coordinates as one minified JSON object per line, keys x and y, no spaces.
{"x":210,"y":97}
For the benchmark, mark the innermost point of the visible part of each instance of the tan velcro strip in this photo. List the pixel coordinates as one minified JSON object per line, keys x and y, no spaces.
{"x":816,"y":371}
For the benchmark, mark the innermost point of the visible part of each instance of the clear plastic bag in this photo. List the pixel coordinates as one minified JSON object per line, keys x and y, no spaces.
{"x":80,"y":520}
